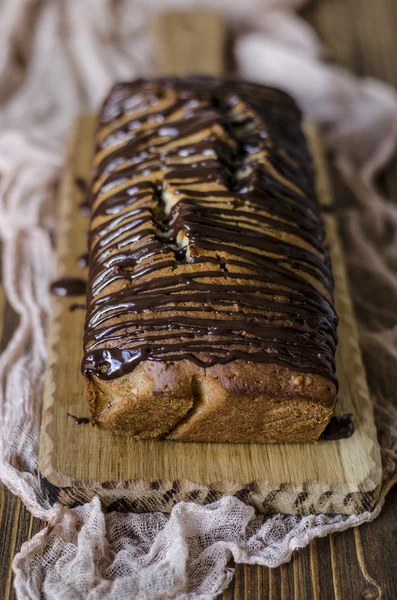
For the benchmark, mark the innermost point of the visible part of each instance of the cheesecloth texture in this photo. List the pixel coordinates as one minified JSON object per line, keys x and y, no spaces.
{"x":58,"y":58}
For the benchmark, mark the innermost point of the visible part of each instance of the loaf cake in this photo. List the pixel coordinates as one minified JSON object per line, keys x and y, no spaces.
{"x":210,"y":305}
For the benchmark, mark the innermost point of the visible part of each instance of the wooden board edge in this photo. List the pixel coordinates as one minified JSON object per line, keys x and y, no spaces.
{"x":64,"y":221}
{"x":345,"y":308}
{"x":164,"y":494}
{"x":139,"y":496}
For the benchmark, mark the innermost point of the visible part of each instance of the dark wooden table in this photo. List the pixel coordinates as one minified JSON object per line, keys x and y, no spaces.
{"x":356,"y":564}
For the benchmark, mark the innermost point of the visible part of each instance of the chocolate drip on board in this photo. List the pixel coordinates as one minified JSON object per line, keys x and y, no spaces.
{"x":206,"y":239}
{"x":338,"y":428}
{"x":81,"y":184}
{"x":84,"y":208}
{"x":79,"y":420}
{"x":69,"y":286}
{"x":82,"y":260}
{"x":76,"y":306}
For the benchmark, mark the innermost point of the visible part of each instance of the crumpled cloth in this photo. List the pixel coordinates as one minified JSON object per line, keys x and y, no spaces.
{"x":57,"y":58}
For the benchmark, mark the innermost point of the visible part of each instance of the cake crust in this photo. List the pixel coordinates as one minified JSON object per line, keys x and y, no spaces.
{"x":236,"y":402}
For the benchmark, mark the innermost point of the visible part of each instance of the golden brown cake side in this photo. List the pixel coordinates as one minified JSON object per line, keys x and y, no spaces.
{"x":210,"y":312}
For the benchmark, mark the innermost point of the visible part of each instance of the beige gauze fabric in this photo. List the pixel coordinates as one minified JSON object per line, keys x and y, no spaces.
{"x":57,"y":58}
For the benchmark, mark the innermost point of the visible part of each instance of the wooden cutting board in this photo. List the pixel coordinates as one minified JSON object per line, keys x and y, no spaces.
{"x":77,"y":462}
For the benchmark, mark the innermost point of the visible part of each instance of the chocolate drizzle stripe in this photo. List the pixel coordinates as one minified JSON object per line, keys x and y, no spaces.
{"x":206,"y":240}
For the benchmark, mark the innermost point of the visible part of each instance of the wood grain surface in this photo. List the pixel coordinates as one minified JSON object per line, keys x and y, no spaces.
{"x":355,"y":564}
{"x":331,"y":476}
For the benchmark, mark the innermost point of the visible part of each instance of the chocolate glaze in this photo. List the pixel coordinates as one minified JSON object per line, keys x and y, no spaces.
{"x":206,"y":238}
{"x":68,"y":286}
{"x":338,"y":428}
{"x":79,"y":420}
